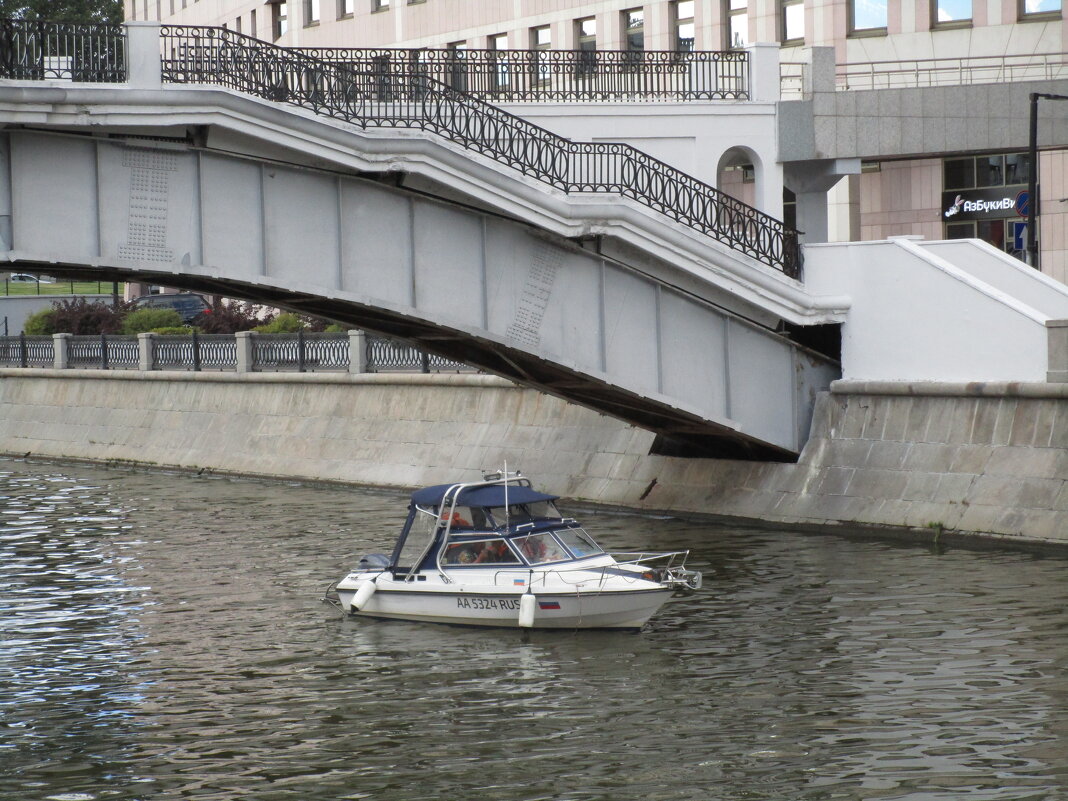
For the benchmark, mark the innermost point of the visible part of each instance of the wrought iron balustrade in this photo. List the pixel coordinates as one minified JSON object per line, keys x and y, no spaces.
{"x":27,"y":351}
{"x":104,"y":351}
{"x":559,"y":75}
{"x":303,"y":352}
{"x":35,"y":50}
{"x":386,"y":355}
{"x":414,"y":100}
{"x":198,"y":352}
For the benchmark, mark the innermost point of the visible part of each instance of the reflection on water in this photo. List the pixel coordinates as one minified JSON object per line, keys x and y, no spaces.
{"x":161,"y":636}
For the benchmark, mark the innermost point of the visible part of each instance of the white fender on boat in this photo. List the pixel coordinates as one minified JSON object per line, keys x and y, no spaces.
{"x":527,"y":604}
{"x":363,"y":595}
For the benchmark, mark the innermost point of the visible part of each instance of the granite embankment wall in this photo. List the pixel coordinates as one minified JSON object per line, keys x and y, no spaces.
{"x":977,"y":459}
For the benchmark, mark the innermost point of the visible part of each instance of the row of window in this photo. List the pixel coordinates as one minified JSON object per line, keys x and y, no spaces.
{"x":865,"y":17}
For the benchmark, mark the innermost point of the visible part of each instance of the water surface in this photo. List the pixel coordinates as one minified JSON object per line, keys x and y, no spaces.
{"x":161,"y":636}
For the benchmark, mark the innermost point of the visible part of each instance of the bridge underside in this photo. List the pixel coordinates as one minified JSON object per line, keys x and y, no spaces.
{"x":467,"y":284}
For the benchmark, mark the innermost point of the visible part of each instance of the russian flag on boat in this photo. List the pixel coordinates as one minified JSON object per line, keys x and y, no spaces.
{"x":519,"y":582}
{"x":548,"y":605}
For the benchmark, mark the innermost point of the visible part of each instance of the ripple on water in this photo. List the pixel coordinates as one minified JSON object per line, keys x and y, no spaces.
{"x":161,"y":637}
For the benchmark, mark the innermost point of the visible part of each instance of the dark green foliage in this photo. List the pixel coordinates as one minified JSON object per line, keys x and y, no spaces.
{"x":287,"y":323}
{"x":63,"y":10}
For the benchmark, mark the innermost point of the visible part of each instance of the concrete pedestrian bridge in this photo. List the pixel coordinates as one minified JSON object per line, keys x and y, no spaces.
{"x":586,"y":270}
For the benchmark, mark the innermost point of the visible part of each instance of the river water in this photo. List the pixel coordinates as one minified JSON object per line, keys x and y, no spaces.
{"x":162,"y":636}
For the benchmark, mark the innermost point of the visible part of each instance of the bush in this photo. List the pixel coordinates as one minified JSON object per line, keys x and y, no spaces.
{"x":79,"y":316}
{"x":148,"y":319}
{"x":229,"y":318}
{"x":40,"y":323}
{"x":287,"y":323}
{"x":175,"y":330}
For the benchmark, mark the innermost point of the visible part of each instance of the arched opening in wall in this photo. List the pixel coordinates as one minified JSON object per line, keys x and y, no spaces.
{"x":737,"y":174}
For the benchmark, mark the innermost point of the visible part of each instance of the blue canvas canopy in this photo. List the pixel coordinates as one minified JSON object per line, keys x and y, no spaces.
{"x":492,"y":495}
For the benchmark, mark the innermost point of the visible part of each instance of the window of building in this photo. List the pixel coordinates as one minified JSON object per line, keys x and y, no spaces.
{"x":867,"y":16}
{"x":253,"y":31}
{"x":379,"y":5}
{"x":280,"y":21}
{"x":586,"y":33}
{"x":737,"y":23}
{"x":311,"y":12}
{"x":457,"y":65}
{"x":634,"y":30}
{"x":586,"y":45}
{"x":1030,"y":9}
{"x":346,"y":8}
{"x":792,"y":21}
{"x":497,"y":42}
{"x":237,"y":25}
{"x":682,"y":16}
{"x":951,"y":13}
{"x":541,"y":38}
{"x":983,"y":198}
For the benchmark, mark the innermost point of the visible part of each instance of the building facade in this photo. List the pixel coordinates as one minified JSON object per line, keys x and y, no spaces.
{"x":934,"y":190}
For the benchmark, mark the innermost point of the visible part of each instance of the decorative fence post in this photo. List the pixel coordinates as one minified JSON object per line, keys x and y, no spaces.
{"x":244,"y":351}
{"x":103,"y":351}
{"x":60,"y":351}
{"x":196,"y":352}
{"x":146,"y":352}
{"x":301,"y":363}
{"x":23,"y":350}
{"x":357,"y":352}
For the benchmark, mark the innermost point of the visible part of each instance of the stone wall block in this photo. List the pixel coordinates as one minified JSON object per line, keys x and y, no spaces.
{"x":971,"y":459}
{"x":888,"y":455}
{"x":1057,"y":349}
{"x":1039,"y":493}
{"x":897,"y":419}
{"x":1024,"y":423}
{"x":920,"y":486}
{"x":984,"y":423}
{"x":930,"y":457}
{"x":879,"y":484}
{"x":836,"y":481}
{"x":853,"y":413}
{"x":848,"y":453}
{"x":953,"y":488}
{"x":1026,"y":462}
{"x":963,"y":419}
{"x":1001,"y":435}
{"x":940,"y":420}
{"x":875,"y":418}
{"x":997,"y":491}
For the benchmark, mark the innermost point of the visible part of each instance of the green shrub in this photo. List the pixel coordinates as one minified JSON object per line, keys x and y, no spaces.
{"x":286,"y":323}
{"x":176,"y":330}
{"x":144,"y":320}
{"x":40,"y":323}
{"x":335,"y":328}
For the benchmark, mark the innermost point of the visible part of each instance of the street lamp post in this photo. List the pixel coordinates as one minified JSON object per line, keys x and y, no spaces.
{"x":1032,"y":179}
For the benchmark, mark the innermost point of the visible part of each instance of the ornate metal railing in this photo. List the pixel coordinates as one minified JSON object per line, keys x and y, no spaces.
{"x":196,"y":352}
{"x":301,"y":352}
{"x":407,"y":100}
{"x":35,"y":50}
{"x":555,"y":75}
{"x":27,"y":351}
{"x":385,"y":355}
{"x":103,"y":351}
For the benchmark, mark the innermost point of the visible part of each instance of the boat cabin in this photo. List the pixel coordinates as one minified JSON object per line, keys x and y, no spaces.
{"x":492,"y":524}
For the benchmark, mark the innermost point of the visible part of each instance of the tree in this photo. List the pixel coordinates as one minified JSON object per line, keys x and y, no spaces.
{"x":64,"y":10}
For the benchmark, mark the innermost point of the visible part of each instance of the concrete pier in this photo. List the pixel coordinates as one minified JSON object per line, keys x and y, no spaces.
{"x":980,"y":459}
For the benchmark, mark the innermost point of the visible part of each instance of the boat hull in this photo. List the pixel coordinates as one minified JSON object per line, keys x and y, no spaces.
{"x":618,"y":609}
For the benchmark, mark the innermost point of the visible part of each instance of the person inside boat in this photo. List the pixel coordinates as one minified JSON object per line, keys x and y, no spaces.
{"x":495,"y":551}
{"x":455,"y":518}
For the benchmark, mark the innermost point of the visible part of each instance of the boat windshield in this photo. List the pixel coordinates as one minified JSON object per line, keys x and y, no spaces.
{"x":464,"y":517}
{"x":419,"y":536}
{"x":579,"y":542}
{"x":479,"y":552}
{"x":540,"y":549}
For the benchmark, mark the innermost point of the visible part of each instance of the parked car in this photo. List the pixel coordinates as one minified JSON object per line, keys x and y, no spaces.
{"x":189,"y":305}
{"x":27,"y":278}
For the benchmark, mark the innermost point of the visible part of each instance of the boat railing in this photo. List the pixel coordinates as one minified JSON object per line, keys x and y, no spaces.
{"x":541,"y":575}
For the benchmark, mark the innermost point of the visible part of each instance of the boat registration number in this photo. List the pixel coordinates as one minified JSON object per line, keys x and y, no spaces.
{"x":487,"y":603}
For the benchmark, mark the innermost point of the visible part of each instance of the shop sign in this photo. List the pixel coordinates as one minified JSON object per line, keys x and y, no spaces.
{"x":996,"y":203}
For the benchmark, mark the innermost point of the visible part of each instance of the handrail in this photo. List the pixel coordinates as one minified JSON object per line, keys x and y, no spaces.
{"x":954,"y":71}
{"x":225,"y":58}
{"x":560,"y":75}
{"x":35,"y":50}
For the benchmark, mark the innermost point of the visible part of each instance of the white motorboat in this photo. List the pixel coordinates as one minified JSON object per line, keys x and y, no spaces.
{"x":498,"y":553}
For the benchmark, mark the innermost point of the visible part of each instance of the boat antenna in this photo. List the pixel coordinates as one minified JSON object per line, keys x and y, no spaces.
{"x":507,"y":522}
